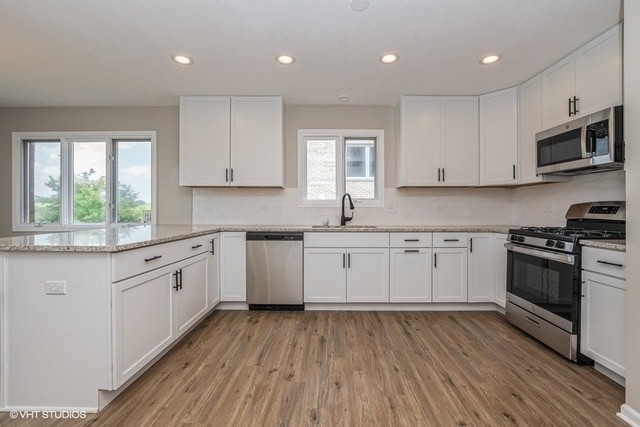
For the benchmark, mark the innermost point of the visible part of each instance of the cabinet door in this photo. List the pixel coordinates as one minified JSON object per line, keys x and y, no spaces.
{"x":599,"y":72}
{"x":459,"y":141}
{"x":368,"y":275}
{"x":418,"y":142}
{"x":602,"y":321}
{"x":558,"y":86}
{"x":410,"y":275}
{"x":204,"y":140}
{"x":191,"y":294}
{"x":499,"y":137}
{"x":213,"y":272}
{"x":500,"y":272}
{"x":233,"y":267}
{"x":143,"y":314}
{"x":257,"y":145}
{"x":529,"y":110}
{"x":325,"y":275}
{"x":481,"y":279}
{"x":449,"y":275}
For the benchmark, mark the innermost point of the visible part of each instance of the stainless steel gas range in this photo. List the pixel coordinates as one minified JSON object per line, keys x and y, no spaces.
{"x":544,"y":273}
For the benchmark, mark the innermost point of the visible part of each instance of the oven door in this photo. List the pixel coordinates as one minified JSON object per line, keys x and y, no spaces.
{"x":545,"y":283}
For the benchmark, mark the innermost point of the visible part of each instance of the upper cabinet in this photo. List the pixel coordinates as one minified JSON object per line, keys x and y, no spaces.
{"x":437,"y":141}
{"x":231,"y":141}
{"x":584,"y":82}
{"x":499,"y":137}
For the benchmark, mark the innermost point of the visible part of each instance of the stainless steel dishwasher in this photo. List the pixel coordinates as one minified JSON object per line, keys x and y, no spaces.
{"x":274,"y":270}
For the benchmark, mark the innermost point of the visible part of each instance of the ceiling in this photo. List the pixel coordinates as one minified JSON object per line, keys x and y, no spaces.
{"x":118,"y":52}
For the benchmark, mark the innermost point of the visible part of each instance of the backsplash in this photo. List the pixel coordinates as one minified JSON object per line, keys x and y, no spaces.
{"x":533,"y":205}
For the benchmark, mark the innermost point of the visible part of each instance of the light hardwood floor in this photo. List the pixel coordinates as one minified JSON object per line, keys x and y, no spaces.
{"x":242,"y":368}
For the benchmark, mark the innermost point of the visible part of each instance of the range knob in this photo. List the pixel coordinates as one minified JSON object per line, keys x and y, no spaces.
{"x":560,"y":245}
{"x":514,"y":238}
{"x":520,"y":239}
{"x":550,"y":243}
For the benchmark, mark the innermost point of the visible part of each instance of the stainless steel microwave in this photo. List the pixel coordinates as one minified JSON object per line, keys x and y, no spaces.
{"x":592,"y":143}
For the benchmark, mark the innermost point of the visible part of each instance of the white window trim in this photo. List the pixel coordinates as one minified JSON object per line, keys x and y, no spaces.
{"x":17,"y":175}
{"x":378,"y":134}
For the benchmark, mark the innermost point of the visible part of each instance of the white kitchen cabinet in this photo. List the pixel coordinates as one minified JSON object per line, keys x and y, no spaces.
{"x":499,"y":137}
{"x":410,"y":267}
{"x":336,"y":273}
{"x":191,"y":301}
{"x":500,"y":269}
{"x":481,"y":279}
{"x":410,"y":275}
{"x":144,"y":320}
{"x":449,"y":267}
{"x":233,"y":267}
{"x":325,"y":278}
{"x":530,"y":123}
{"x":213,"y":271}
{"x":368,"y":275}
{"x":437,"y":141}
{"x":602,"y":326}
{"x":231,"y":141}
{"x":584,"y":82}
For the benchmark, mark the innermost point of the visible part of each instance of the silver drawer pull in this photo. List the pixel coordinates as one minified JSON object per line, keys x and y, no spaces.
{"x":451,"y":240}
{"x":610,"y":263}
{"x":530,"y":320}
{"x":196,"y":246}
{"x":411,"y":240}
{"x":153,"y":258}
{"x":412,"y":251}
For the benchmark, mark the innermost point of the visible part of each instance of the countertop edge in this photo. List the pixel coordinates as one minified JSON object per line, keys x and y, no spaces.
{"x":614,"y":245}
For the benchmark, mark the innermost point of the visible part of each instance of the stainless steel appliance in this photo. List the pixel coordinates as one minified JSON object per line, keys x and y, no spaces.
{"x":591,"y":143}
{"x":543,"y":273}
{"x":274,"y":270}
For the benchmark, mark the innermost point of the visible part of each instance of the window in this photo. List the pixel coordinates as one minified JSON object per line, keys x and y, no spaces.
{"x":83,"y":179}
{"x":332,"y":162}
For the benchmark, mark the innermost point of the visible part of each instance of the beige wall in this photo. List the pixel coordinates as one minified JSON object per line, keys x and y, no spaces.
{"x":632,"y":139}
{"x":174,"y":202}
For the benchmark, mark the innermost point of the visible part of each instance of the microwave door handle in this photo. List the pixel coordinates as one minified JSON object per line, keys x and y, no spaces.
{"x":590,"y":141}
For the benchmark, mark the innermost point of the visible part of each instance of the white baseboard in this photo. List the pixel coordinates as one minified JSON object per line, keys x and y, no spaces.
{"x":403,"y":307}
{"x":629,"y":415}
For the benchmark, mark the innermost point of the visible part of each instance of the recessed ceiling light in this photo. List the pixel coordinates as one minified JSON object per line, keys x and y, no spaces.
{"x":491,"y":59}
{"x":359,"y":5}
{"x":389,"y":58}
{"x":285,"y":59}
{"x":343,"y":98}
{"x":183,"y":60}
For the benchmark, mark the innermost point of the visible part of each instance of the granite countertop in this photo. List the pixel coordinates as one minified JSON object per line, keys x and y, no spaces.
{"x":126,"y":238}
{"x":616,"y":245}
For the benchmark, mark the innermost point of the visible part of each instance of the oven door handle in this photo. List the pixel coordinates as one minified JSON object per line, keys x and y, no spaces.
{"x":559,"y":257}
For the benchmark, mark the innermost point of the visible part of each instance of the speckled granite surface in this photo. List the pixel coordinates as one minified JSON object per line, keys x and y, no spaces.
{"x":126,"y":238}
{"x":616,"y":245}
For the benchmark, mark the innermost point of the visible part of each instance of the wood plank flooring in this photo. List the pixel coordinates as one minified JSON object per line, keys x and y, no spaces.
{"x":241,"y":368}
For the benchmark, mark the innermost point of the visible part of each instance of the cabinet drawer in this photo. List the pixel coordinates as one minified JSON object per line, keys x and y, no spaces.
{"x":604,"y":261}
{"x":410,"y":240}
{"x":195,"y":246}
{"x":346,"y":240}
{"x":449,"y":240}
{"x":137,"y":261}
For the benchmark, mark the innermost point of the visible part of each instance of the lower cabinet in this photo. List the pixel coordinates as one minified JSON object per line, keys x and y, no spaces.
{"x":602,"y":320}
{"x":213,"y":271}
{"x":233,"y":267}
{"x":143,"y":318}
{"x":449,"y":275}
{"x":481,"y":286}
{"x":190,"y":286}
{"x":410,"y":275}
{"x":500,"y":269}
{"x":334,"y":275}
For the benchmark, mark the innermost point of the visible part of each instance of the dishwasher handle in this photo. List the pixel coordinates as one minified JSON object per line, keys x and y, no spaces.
{"x":274,"y":236}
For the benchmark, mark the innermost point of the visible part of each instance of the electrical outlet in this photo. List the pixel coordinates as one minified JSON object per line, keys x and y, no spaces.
{"x":441,"y":208}
{"x":392,"y":208}
{"x":263,"y":208}
{"x":547,"y":208}
{"x":56,"y":287}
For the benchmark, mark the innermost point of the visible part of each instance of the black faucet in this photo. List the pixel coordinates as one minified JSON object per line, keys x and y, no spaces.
{"x":344,"y":219}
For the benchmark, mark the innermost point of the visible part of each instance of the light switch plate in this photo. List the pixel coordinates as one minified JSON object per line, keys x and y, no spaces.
{"x":56,"y":287}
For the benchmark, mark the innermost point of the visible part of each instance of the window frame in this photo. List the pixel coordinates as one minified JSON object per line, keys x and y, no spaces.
{"x":66,"y":179}
{"x":340,"y":135}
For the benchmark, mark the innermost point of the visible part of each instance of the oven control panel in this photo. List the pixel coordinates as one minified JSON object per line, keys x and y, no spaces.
{"x":542,"y":242}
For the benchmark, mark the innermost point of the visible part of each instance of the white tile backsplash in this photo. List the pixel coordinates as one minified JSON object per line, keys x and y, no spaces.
{"x":543,"y":204}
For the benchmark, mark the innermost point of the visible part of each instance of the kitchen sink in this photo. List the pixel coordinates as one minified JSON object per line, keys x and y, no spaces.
{"x":343,"y":226}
